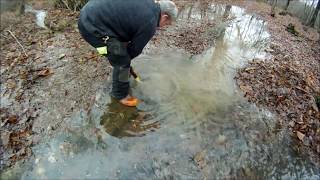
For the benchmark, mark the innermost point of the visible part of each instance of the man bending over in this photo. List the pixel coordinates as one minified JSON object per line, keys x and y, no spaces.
{"x":119,"y":30}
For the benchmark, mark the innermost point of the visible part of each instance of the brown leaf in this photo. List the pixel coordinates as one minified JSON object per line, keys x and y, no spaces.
{"x":13,"y":119}
{"x":22,"y":151}
{"x":300,"y":135}
{"x":310,"y":80}
{"x":11,"y":84}
{"x":5,"y":138}
{"x":246,"y":88}
{"x":291,"y":123}
{"x":199,"y":158}
{"x":45,"y":72}
{"x":250,"y":69}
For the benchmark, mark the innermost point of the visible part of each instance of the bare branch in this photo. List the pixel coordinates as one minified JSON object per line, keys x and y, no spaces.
{"x":24,"y":51}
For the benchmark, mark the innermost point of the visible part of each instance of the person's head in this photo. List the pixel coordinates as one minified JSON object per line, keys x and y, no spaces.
{"x":169,"y":12}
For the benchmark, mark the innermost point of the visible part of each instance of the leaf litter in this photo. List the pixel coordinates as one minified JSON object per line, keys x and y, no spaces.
{"x":289,"y":82}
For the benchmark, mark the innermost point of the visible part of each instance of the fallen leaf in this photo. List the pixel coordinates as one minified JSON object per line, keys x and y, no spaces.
{"x":5,"y":138}
{"x":11,"y":84}
{"x":269,"y":50}
{"x":300,"y":135}
{"x":62,"y":56}
{"x":246,"y":88}
{"x":291,"y":123}
{"x":13,"y":119}
{"x":250,"y":69}
{"x":22,"y":151}
{"x":199,"y":158}
{"x":45,"y":72}
{"x":300,"y":122}
{"x":221,"y":139}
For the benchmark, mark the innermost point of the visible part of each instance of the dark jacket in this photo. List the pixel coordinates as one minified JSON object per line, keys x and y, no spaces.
{"x":133,"y":21}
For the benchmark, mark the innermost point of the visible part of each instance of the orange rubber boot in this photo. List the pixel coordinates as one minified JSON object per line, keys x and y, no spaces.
{"x":129,"y":101}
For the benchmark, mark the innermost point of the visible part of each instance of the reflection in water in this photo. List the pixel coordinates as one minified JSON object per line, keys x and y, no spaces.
{"x":303,"y":9}
{"x":208,"y":131}
{"x":121,"y":121}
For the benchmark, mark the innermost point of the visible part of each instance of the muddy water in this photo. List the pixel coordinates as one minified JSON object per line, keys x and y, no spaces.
{"x":192,"y":123}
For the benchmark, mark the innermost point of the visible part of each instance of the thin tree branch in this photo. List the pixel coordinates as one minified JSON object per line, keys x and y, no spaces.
{"x":24,"y":51}
{"x":4,"y":36}
{"x":66,"y":4}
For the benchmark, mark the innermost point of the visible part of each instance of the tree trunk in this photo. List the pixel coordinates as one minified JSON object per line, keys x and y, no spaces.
{"x":273,"y":8}
{"x":21,"y":7}
{"x":315,"y":15}
{"x":287,"y":5}
{"x":227,"y":12}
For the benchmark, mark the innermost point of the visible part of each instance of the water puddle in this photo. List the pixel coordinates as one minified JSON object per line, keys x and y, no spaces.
{"x":121,"y":121}
{"x":193,"y":122}
{"x":40,"y":16}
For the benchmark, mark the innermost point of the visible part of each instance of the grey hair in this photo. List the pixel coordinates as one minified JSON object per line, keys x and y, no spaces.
{"x":168,"y":7}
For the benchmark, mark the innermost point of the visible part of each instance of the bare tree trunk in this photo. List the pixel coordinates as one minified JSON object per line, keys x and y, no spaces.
{"x":224,"y":19}
{"x":287,"y":5}
{"x":21,"y":7}
{"x":273,"y":8}
{"x":190,"y":11}
{"x":315,"y":15}
{"x":227,"y":12}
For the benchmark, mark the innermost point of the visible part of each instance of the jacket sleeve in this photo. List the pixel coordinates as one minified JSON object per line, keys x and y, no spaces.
{"x":140,"y":40}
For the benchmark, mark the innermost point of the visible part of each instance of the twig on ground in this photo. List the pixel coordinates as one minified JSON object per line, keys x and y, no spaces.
{"x":4,"y":36}
{"x":66,"y":4}
{"x":24,"y":51}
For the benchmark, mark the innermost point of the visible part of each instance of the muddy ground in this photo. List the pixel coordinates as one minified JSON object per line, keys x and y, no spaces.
{"x":47,"y":75}
{"x":44,"y":80}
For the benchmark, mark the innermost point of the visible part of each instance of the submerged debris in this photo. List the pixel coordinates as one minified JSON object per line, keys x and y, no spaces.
{"x":291,"y":29}
{"x":194,"y":39}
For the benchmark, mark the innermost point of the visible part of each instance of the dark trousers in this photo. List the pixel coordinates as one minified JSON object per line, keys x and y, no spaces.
{"x":119,"y":60}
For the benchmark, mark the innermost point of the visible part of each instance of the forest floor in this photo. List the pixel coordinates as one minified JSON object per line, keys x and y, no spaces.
{"x":289,"y":83}
{"x":48,"y":74}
